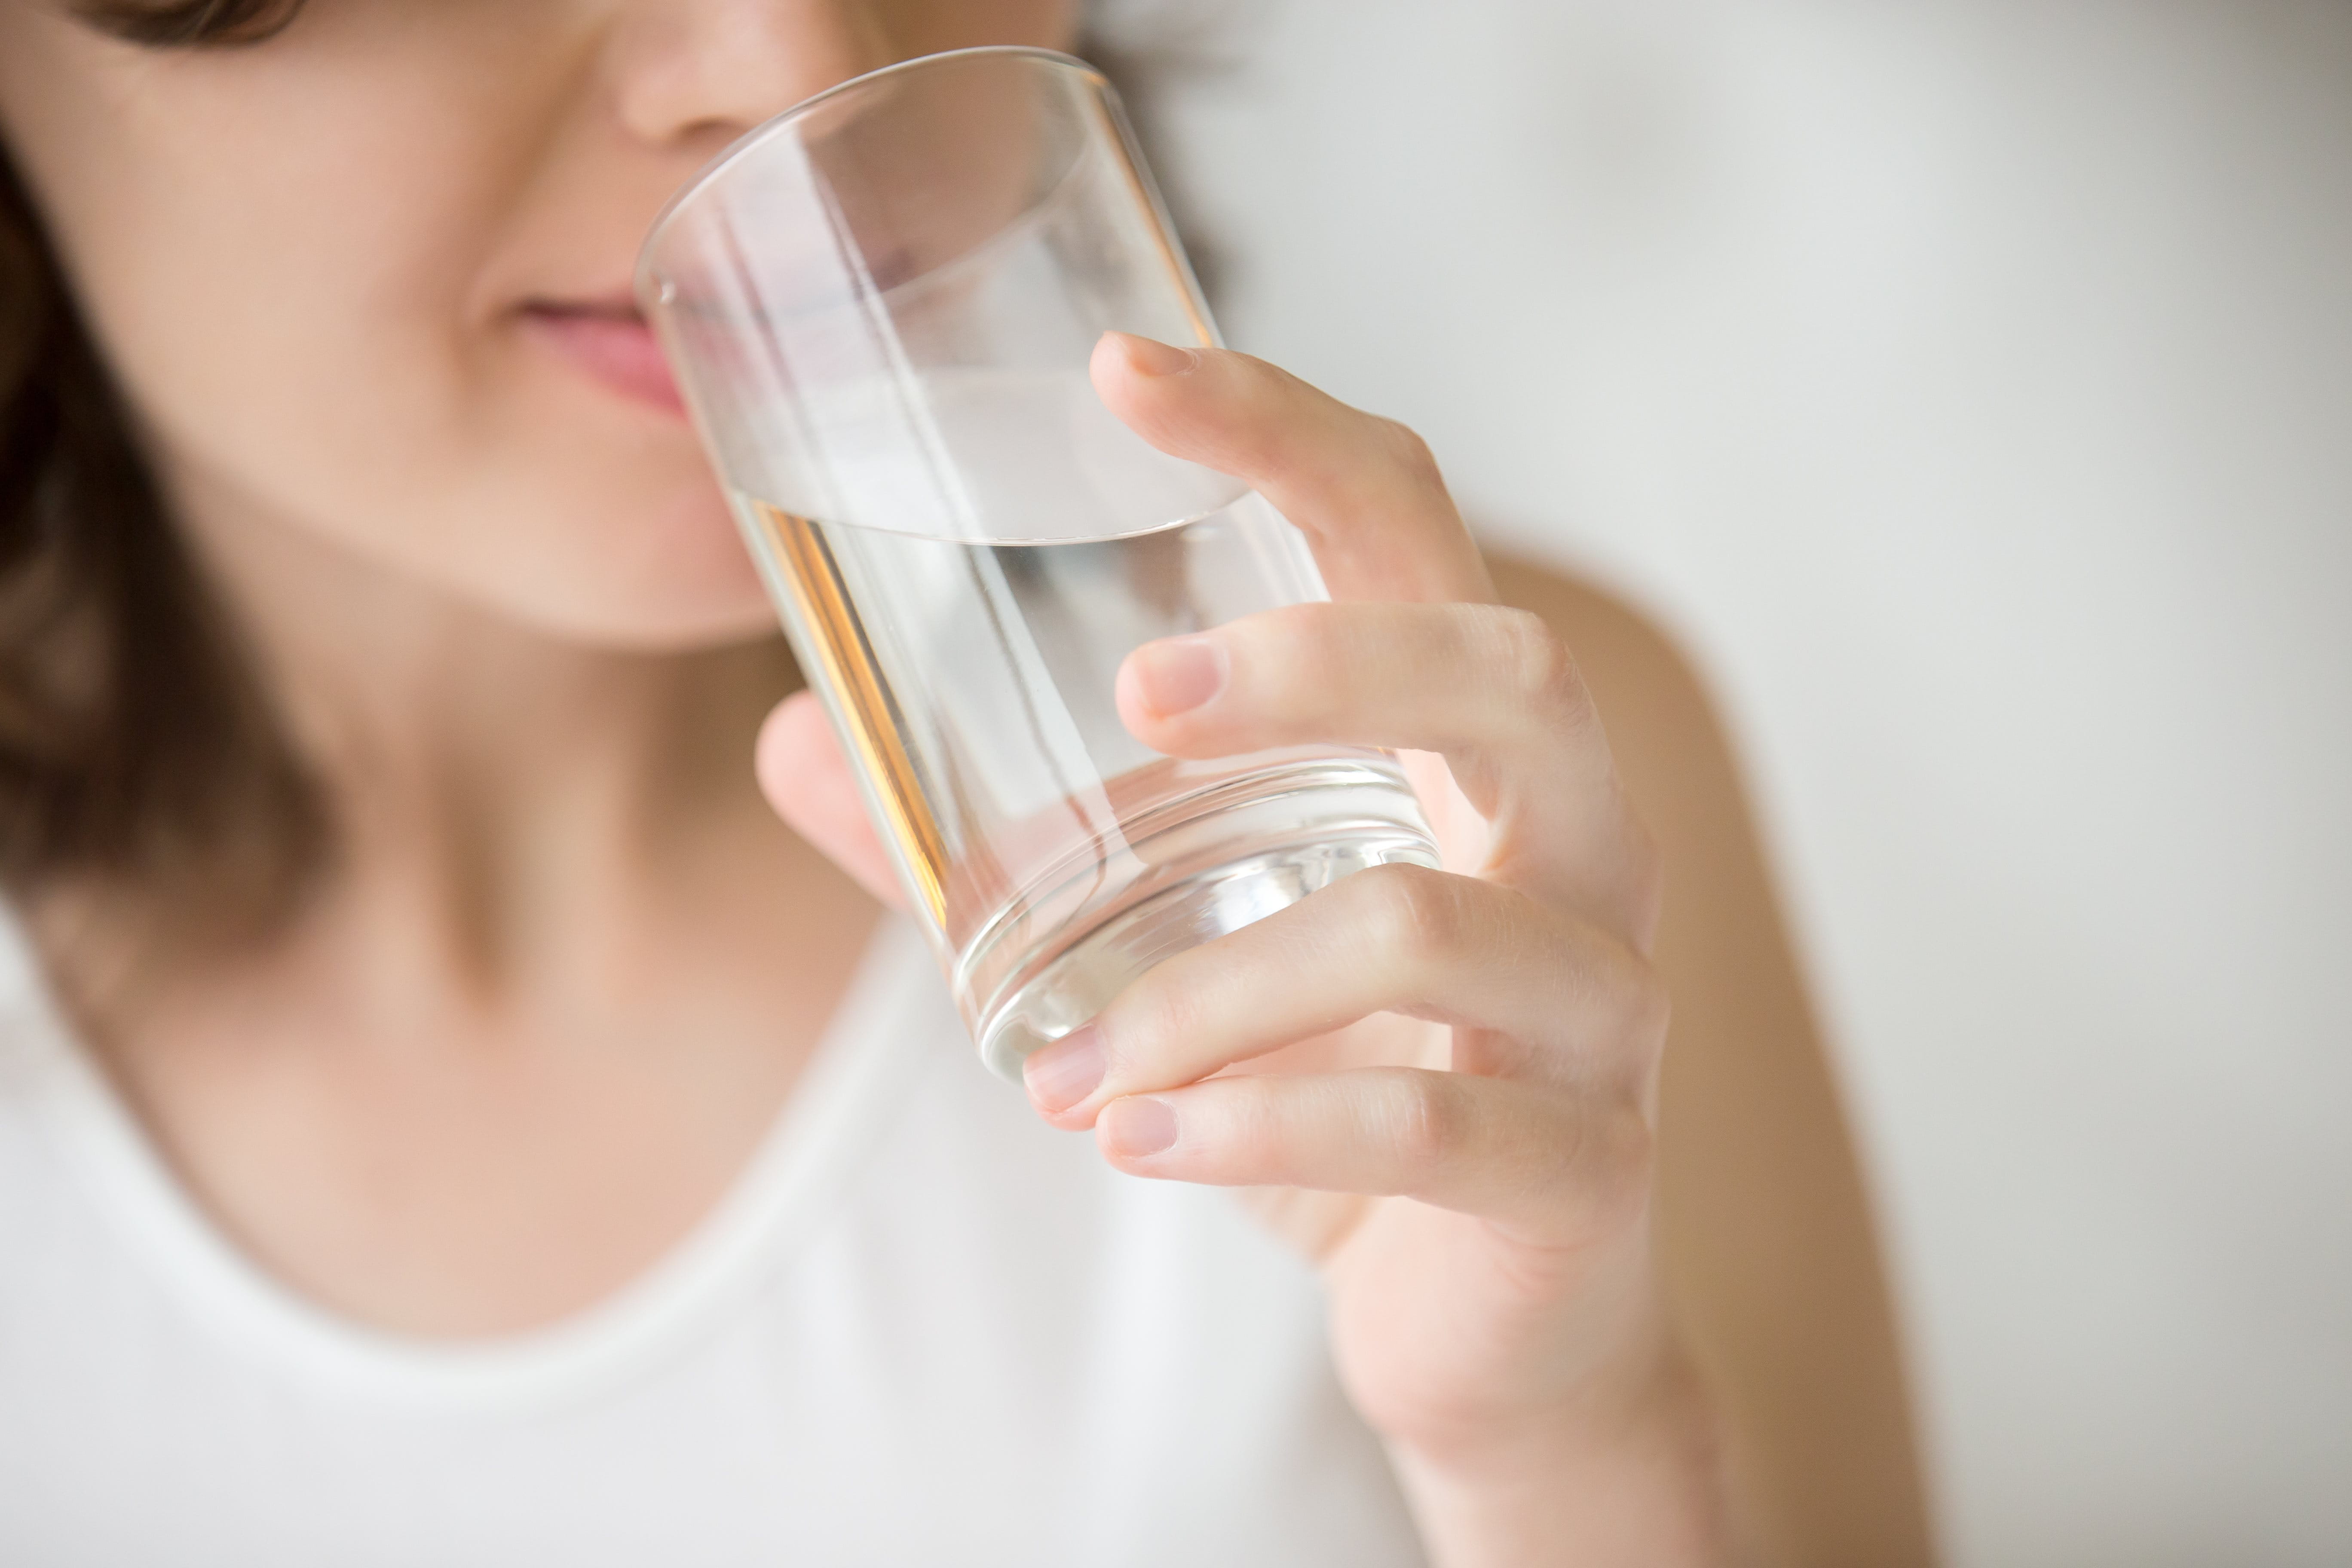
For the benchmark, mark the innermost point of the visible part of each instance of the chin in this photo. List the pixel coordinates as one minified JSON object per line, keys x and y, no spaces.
{"x":657,"y":612}
{"x":634,"y":622}
{"x":671,"y":577}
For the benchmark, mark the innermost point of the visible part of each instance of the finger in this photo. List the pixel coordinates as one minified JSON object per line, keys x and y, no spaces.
{"x":806,"y":778}
{"x":1363,"y":489}
{"x":1543,"y":1158}
{"x":1489,"y":688}
{"x":1543,"y":997}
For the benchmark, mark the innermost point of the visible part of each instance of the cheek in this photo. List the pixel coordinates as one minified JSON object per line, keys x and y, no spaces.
{"x":270,"y":301}
{"x":458,"y":458}
{"x":300,"y":326}
{"x":325,"y":386}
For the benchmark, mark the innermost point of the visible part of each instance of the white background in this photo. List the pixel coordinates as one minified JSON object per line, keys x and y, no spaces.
{"x":1969,"y":387}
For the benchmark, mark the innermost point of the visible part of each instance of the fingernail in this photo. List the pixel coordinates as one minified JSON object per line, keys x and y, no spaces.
{"x":1150,"y":356}
{"x":1134,"y":1127}
{"x":1179,"y":674}
{"x":1060,"y":1075}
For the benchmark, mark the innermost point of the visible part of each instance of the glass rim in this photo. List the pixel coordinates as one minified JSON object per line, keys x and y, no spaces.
{"x":777,"y":123}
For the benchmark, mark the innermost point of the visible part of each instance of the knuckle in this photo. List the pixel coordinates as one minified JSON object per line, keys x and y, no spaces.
{"x":1536,"y":665}
{"x":1622,"y":1188}
{"x":1139,"y":1027}
{"x":1411,"y":453}
{"x":1645,"y":878}
{"x":1252,"y":429}
{"x":1430,"y":1123}
{"x":1648,"y":1011}
{"x":1600,"y":1178}
{"x":1643,"y":854}
{"x":1415,"y":915}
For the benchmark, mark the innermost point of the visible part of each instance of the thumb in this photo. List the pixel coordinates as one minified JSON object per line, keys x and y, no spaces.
{"x":807,"y":780}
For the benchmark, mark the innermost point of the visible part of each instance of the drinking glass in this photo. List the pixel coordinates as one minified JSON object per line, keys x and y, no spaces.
{"x":880,"y":307}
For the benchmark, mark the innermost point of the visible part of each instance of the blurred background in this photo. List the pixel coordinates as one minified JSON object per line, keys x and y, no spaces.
{"x":1968,"y":386}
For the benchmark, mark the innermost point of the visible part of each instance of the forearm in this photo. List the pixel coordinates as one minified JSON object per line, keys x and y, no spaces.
{"x":1633,"y":1475}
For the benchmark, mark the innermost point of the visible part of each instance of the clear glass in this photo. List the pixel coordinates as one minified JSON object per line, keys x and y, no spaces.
{"x":881,"y":307}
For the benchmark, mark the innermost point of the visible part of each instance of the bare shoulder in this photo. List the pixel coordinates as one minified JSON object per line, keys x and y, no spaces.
{"x":1769,"y":1245}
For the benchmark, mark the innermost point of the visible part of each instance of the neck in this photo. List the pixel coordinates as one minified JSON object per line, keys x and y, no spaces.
{"x":563,"y":967}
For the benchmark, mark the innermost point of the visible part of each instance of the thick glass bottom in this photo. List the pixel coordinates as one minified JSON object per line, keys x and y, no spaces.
{"x":1191,"y":870}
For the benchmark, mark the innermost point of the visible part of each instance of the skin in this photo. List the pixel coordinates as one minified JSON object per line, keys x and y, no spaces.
{"x":568,"y":964}
{"x":1765,"y":1235}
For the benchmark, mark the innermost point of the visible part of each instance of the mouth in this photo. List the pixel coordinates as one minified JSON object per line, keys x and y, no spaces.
{"x":608,"y":340}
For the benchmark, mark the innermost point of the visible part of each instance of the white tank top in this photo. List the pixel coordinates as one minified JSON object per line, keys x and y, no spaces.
{"x":923,"y":1329}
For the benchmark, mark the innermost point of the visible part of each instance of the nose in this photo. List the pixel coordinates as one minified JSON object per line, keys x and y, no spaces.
{"x":700,"y":72}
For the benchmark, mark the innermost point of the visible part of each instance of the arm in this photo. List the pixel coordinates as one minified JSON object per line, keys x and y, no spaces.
{"x":1796,"y":1336}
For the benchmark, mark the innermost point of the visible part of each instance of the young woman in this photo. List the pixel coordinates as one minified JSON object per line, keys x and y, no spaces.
{"x":456,"y":1122}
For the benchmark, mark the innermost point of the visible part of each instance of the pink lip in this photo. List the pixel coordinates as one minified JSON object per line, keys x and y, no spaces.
{"x":613,"y":344}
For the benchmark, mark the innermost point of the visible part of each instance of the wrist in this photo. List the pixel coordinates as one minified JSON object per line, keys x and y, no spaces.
{"x":1628,"y":1470}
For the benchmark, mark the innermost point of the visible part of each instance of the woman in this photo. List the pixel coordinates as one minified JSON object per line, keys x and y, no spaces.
{"x":464,"y":1126}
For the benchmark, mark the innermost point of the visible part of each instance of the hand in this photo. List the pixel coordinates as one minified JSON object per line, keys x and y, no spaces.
{"x":1442,"y":1084}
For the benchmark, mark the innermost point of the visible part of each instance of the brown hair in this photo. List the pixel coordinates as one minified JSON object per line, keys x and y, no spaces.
{"x":135,"y":751}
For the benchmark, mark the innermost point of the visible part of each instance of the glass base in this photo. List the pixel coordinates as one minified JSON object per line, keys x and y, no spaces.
{"x":1212,"y":863}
